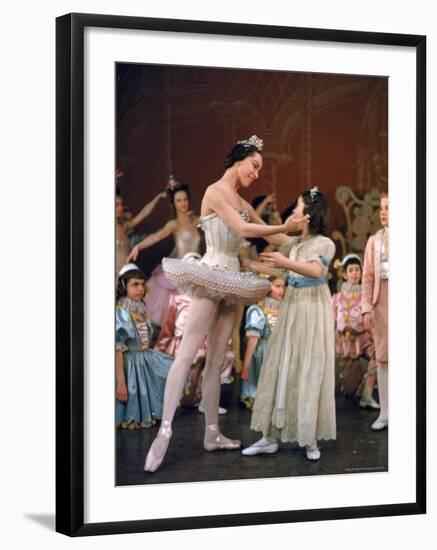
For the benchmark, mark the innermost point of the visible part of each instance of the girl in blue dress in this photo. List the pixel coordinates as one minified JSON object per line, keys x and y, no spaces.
{"x":141,"y":372}
{"x":260,"y":321}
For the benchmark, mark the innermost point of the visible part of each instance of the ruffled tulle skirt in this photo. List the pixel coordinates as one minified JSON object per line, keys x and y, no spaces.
{"x":196,"y":278}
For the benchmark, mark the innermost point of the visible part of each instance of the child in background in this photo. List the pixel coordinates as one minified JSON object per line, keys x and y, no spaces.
{"x":374,"y":305}
{"x":352,"y":341}
{"x":141,"y":372}
{"x":260,"y":321}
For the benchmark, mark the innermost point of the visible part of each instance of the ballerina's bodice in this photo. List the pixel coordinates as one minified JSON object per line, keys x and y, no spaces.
{"x":216,"y":275}
{"x":222,"y":242}
{"x":185,"y":241}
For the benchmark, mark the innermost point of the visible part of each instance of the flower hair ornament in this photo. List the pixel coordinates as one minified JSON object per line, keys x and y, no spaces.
{"x":253,"y":141}
{"x":313,"y":192}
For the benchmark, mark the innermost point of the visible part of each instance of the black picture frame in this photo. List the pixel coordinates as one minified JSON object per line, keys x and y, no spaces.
{"x":70,"y":267}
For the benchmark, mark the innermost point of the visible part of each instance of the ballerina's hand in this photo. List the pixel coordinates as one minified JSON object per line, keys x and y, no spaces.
{"x":273,"y":259}
{"x":296,"y":222}
{"x":271,"y":199}
{"x":133,"y":254}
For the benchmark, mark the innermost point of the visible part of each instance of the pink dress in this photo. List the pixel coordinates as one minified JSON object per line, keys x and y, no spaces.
{"x":160,"y":287}
{"x":351,"y":340}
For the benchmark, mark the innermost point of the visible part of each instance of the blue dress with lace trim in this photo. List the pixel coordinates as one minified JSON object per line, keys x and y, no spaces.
{"x":256,"y":325}
{"x":145,"y":373}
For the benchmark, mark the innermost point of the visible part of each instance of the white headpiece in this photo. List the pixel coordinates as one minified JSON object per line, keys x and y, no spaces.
{"x":128,"y":267}
{"x":313,"y":192}
{"x":350,"y":257}
{"x":253,"y":140}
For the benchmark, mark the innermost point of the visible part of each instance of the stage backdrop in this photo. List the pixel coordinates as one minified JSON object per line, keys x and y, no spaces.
{"x":318,"y":129}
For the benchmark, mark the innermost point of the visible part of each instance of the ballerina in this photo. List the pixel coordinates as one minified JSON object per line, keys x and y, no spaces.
{"x":187,"y":239}
{"x":216,"y":286}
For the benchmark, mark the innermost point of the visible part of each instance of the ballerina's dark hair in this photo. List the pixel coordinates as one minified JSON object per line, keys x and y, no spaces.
{"x":171,"y":192}
{"x":240,"y":152}
{"x":316,"y":206}
{"x":125,"y":278}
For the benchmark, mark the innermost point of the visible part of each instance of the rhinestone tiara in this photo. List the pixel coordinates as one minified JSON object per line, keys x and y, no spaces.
{"x":253,"y":140}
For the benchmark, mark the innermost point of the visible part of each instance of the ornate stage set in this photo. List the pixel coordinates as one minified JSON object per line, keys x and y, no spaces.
{"x":318,"y":129}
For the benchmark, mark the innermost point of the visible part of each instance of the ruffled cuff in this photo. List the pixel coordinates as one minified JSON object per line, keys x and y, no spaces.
{"x":253,"y":332}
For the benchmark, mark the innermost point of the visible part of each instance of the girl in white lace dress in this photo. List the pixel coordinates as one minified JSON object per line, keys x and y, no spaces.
{"x":216,"y":286}
{"x":295,"y":396}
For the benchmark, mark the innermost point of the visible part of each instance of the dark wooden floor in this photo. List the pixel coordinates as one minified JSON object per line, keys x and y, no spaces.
{"x":357,"y":448}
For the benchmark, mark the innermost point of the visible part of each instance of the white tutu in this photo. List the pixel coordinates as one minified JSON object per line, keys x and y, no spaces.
{"x":196,"y":278}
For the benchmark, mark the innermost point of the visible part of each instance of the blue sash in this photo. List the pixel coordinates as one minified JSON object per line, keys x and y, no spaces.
{"x":305,"y":282}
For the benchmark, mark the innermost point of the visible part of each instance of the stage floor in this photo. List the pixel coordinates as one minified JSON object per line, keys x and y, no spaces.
{"x":357,"y":448}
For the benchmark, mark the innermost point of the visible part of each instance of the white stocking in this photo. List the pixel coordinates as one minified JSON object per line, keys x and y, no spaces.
{"x":201,"y":313}
{"x":382,"y":373}
{"x":218,"y":337}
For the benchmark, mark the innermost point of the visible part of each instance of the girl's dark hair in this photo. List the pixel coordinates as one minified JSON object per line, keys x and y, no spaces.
{"x":178,"y":187}
{"x":316,"y":206}
{"x":125,"y":278}
{"x":351,"y":261}
{"x":259,"y":242}
{"x":240,"y":152}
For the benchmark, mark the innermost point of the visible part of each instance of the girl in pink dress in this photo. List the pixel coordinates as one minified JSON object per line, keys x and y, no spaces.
{"x":352,"y":341}
{"x":374,"y":305}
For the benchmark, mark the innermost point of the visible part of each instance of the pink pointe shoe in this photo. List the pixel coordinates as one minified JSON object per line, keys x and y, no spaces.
{"x":159,"y":447}
{"x":215,"y":441}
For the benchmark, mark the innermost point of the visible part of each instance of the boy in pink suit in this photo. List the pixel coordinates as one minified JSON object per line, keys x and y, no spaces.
{"x":374,"y":305}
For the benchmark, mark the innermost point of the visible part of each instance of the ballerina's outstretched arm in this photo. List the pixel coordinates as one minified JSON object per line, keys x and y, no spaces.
{"x":154,"y":238}
{"x":215,"y":200}
{"x":144,"y":212}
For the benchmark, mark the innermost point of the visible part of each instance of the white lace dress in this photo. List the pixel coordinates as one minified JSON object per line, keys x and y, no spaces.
{"x":217,"y":274}
{"x":295,"y":396}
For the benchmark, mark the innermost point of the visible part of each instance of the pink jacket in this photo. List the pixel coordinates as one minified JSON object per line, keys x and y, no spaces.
{"x":371,"y":272}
